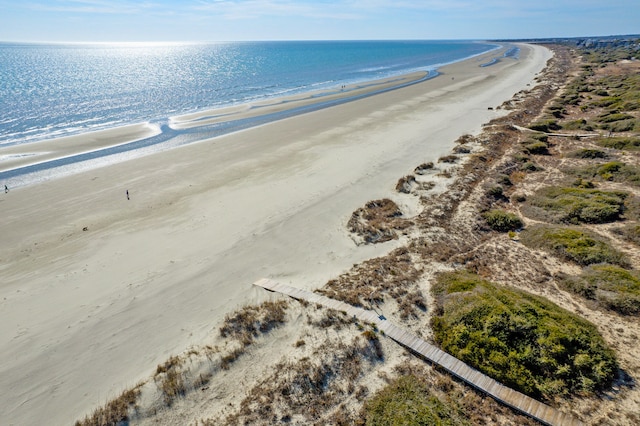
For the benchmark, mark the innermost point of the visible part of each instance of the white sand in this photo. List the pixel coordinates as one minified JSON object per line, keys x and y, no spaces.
{"x":85,"y":314}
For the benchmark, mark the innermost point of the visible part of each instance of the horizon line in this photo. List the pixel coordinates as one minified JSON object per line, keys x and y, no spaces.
{"x":165,"y":42}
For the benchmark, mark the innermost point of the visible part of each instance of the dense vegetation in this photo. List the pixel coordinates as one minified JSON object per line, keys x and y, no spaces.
{"x":588,"y":153}
{"x":502,"y":221}
{"x":610,"y":286}
{"x":612,"y":100}
{"x":577,"y":205}
{"x":621,"y":143}
{"x":615,"y":171}
{"x":521,"y":340}
{"x":607,"y":54}
{"x":573,"y":244}
{"x":409,"y":401}
{"x":617,"y":94}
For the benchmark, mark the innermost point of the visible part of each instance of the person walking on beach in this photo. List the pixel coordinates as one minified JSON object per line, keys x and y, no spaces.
{"x":127,"y":194}
{"x":6,"y":189}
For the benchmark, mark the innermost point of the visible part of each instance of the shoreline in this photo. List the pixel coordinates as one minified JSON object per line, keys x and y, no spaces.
{"x":17,"y":156}
{"x":205,"y":220}
{"x":28,"y":163}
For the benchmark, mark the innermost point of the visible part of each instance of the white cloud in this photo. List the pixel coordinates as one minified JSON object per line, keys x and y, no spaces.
{"x":92,"y":7}
{"x":235,"y":9}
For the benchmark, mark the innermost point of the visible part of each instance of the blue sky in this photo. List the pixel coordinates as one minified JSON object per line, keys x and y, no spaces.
{"x":223,"y":20}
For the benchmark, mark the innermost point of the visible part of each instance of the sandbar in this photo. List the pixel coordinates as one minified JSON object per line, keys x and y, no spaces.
{"x":16,"y":156}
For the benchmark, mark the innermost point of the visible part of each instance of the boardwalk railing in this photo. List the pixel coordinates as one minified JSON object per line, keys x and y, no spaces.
{"x":503,"y":394}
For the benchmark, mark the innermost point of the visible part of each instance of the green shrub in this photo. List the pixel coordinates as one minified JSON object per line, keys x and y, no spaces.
{"x":575,"y":124}
{"x":613,"y":171}
{"x":521,"y":340}
{"x":557,"y":110}
{"x":610,"y":286}
{"x":502,"y":221}
{"x":495,"y":191}
{"x":606,"y":102}
{"x":520,"y":198}
{"x":541,"y":137}
{"x":620,"y":126}
{"x":521,"y":157}
{"x":530,"y":166}
{"x":621,"y":172}
{"x":608,"y":168}
{"x":455,"y":283}
{"x":504,"y":180}
{"x":610,"y":118}
{"x":588,"y":153}
{"x":621,"y":143}
{"x":545,"y":126}
{"x":573,"y":244}
{"x":582,"y":183}
{"x":537,"y":148}
{"x":578,"y":205}
{"x":409,"y":401}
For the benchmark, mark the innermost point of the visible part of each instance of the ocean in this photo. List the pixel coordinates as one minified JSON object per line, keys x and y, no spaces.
{"x":53,"y":90}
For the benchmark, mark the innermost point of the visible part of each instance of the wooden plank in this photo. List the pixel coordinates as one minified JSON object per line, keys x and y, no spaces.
{"x":540,"y":411}
{"x":423,"y":347}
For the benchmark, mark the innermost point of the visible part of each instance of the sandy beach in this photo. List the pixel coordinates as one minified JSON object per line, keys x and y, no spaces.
{"x":97,"y":289}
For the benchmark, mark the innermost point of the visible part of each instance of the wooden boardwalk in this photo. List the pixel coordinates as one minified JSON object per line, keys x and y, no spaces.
{"x":504,"y":395}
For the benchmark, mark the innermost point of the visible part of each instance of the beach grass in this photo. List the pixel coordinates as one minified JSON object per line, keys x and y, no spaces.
{"x":251,"y":321}
{"x":117,"y":411}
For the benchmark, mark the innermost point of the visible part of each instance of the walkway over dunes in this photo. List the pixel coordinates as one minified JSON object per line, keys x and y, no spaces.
{"x":504,"y":395}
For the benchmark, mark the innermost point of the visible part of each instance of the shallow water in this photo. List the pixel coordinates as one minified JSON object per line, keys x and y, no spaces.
{"x":54,"y":90}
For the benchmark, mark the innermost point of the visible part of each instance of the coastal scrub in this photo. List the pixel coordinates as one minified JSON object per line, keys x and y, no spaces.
{"x":502,"y":221}
{"x":521,"y":340}
{"x":620,"y":143}
{"x":577,"y":205}
{"x":408,"y":401}
{"x":610,"y":286}
{"x":615,"y":171}
{"x":573,"y":244}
